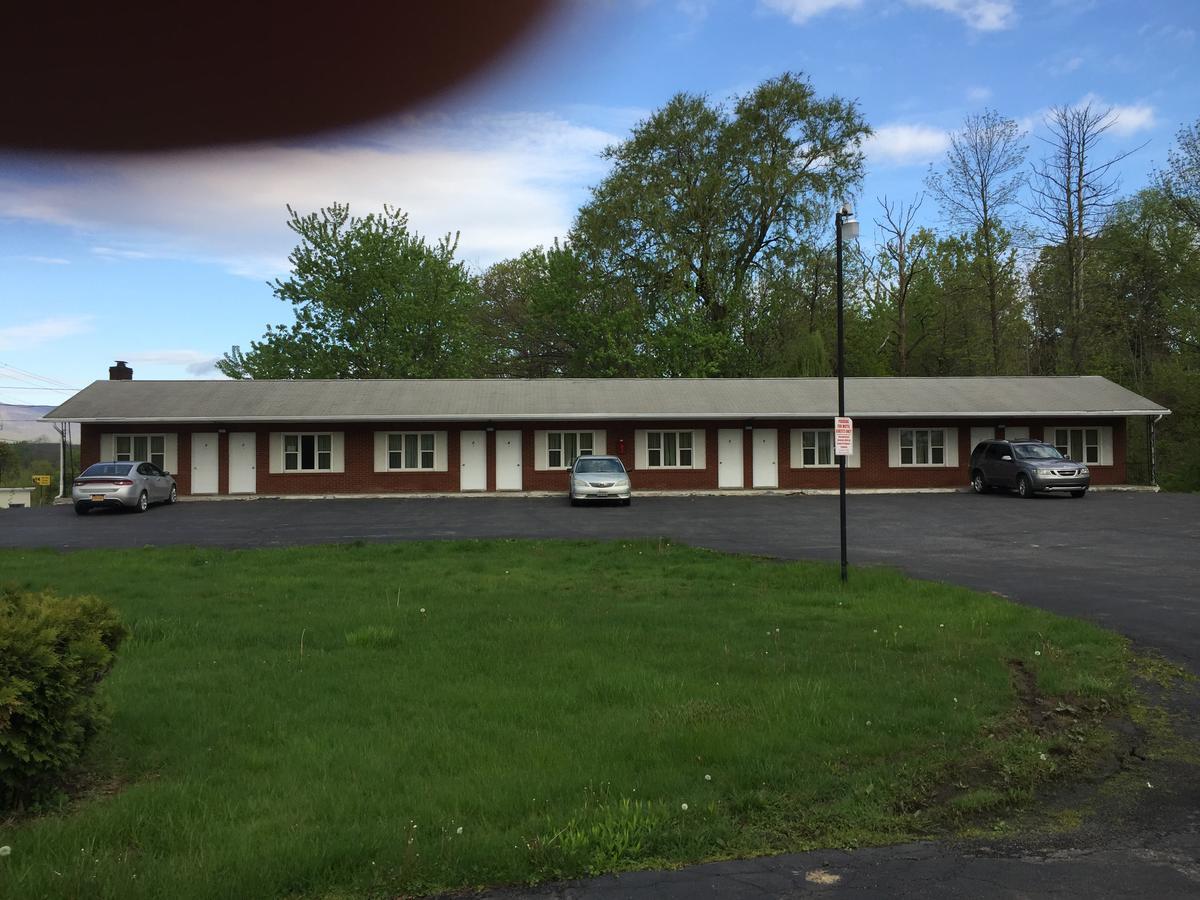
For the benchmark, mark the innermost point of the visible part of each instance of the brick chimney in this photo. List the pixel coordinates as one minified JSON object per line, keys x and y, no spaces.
{"x":120,"y":372}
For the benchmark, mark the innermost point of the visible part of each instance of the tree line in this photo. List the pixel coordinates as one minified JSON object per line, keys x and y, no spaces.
{"x":707,"y":250}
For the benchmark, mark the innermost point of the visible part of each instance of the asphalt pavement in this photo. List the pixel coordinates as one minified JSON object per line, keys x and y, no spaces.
{"x":1128,"y":561}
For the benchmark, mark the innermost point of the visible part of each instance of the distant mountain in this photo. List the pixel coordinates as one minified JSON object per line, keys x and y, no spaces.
{"x":20,"y":423}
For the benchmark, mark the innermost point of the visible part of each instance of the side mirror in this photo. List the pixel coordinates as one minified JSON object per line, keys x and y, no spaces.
{"x":165,"y":472}
{"x":1066,"y":456}
{"x":1006,"y":458}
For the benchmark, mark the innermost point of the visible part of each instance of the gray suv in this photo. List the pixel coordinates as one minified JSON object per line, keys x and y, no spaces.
{"x":1029,"y":467}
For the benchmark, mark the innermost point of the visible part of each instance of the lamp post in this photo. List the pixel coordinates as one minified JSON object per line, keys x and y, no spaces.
{"x":847,"y":227}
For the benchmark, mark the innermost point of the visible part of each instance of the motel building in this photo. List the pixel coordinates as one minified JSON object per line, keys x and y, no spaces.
{"x":322,"y":438}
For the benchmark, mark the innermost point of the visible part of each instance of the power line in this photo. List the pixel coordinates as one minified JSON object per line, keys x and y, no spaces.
{"x":28,"y":387}
{"x":25,"y":375}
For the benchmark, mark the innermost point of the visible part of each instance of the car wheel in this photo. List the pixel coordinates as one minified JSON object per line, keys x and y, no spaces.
{"x":81,"y":509}
{"x":143,"y":503}
{"x":978,"y":483}
{"x":1024,"y":487}
{"x":174,"y":495}
{"x":1078,"y":494}
{"x":627,"y":502}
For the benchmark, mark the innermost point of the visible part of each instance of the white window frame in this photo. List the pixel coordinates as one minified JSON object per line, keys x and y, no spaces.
{"x":929,"y":447}
{"x":298,"y":468}
{"x":1065,"y":448}
{"x":577,"y":437}
{"x":817,"y":434}
{"x":662,"y":439}
{"x":131,"y":454}
{"x":425,"y":457}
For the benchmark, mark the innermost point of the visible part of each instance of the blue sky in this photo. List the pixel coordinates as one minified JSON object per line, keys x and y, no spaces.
{"x":163,"y":260}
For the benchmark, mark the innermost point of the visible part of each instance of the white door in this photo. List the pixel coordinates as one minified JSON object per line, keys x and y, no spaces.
{"x":242,"y":474}
{"x":1016,"y":433}
{"x":766,"y":458}
{"x":204,"y":463}
{"x":729,"y":458}
{"x":472,"y":461}
{"x":508,"y":461}
{"x":981,"y":433}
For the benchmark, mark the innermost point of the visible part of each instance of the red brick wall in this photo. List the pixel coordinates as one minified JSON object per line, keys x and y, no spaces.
{"x":359,"y":475}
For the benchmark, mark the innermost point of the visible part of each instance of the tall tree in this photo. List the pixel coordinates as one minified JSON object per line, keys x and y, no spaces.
{"x":702,"y":200}
{"x":545,"y":315}
{"x":976,"y":188}
{"x":372,"y":300}
{"x":899,"y":261}
{"x":1072,"y":192}
{"x":1181,"y":181}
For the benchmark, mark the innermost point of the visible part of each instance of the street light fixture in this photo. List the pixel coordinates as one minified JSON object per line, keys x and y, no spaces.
{"x":847,"y":229}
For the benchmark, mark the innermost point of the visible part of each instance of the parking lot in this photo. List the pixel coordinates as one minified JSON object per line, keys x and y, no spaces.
{"x":1126,"y":560}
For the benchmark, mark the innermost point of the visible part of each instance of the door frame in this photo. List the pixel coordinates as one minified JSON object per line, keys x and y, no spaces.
{"x":215,"y":438}
{"x":481,"y":478}
{"x":518,"y":471}
{"x":736,"y":480}
{"x":253,"y":436}
{"x":771,"y":473}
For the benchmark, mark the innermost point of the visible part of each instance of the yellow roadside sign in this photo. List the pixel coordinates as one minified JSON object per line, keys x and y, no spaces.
{"x":42,"y":480}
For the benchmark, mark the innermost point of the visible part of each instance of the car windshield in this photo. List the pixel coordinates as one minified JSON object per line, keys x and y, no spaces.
{"x":591,"y":466}
{"x":1036,"y":451}
{"x":108,"y":469}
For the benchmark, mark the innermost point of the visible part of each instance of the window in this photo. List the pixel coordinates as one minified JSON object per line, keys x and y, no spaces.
{"x":1081,"y":444}
{"x":564,"y":447}
{"x":922,"y":447}
{"x":410,"y":451}
{"x":139,"y":447}
{"x":307,"y":452}
{"x":669,"y":449}
{"x":816,"y":447}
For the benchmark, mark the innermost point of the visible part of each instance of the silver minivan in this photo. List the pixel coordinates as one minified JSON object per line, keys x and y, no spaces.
{"x":121,"y":485}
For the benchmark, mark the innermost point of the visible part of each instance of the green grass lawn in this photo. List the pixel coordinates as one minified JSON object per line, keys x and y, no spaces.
{"x":371,"y":720}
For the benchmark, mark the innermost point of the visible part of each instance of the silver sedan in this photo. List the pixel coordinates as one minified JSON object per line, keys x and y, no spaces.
{"x":122,"y":484}
{"x":599,"y":478}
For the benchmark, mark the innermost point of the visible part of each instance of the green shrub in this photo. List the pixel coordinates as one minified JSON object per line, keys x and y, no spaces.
{"x":54,"y":652}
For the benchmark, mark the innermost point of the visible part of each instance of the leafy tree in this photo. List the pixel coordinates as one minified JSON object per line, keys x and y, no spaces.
{"x":545,"y":315}
{"x":1181,"y":182}
{"x":702,"y":201}
{"x":372,"y":300}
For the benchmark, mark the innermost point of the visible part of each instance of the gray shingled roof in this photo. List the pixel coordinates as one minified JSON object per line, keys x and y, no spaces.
{"x":595,"y":398}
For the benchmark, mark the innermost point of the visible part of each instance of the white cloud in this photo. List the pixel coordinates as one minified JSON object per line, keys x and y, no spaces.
{"x":43,"y":331}
{"x":1126,"y":120}
{"x":45,"y":260}
{"x":506,"y":182}
{"x":978,"y":94}
{"x":979,"y":15}
{"x":800,"y":11}
{"x":906,"y":144}
{"x":192,"y":361}
{"x":1132,"y":119}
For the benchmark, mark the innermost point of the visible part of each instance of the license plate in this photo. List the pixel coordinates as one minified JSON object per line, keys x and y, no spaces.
{"x":97,"y":496}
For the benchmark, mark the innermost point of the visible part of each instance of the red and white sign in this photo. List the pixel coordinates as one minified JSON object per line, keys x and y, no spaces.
{"x":843,"y":436}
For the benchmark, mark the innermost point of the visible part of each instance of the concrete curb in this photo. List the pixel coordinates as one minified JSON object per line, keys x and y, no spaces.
{"x":487,"y":495}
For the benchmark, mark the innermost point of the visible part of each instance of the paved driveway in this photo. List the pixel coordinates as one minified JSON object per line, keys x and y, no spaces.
{"x":1128,"y":561}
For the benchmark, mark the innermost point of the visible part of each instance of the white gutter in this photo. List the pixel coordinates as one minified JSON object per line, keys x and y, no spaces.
{"x":581,"y":417}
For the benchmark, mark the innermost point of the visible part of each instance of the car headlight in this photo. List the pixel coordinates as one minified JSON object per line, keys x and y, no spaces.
{"x":1083,"y":470}
{"x":580,"y":483}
